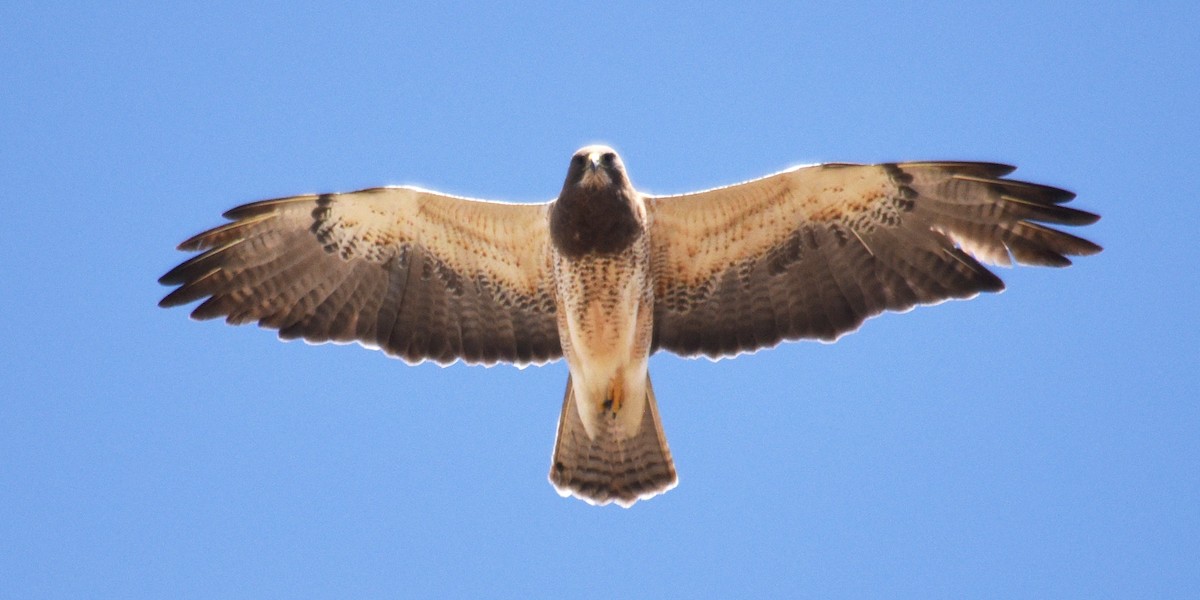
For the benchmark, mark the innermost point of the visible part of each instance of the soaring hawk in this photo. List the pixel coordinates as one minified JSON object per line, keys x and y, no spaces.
{"x":606,"y":276}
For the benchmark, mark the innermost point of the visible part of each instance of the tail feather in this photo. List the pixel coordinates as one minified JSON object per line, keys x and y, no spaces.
{"x":611,"y":467}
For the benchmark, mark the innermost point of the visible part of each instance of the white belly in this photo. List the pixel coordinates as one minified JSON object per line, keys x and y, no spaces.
{"x":605,"y":315}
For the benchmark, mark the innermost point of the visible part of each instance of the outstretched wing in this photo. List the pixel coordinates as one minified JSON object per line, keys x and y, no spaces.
{"x":811,"y":252}
{"x":418,"y":274}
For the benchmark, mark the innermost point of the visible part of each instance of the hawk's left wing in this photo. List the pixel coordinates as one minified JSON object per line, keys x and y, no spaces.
{"x":419,"y":274}
{"x":813,"y":251}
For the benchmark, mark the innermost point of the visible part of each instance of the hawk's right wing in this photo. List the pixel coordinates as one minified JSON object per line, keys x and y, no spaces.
{"x":418,"y":274}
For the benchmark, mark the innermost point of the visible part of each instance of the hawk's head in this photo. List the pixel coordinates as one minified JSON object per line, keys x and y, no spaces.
{"x":598,"y":211}
{"x":596,"y":167}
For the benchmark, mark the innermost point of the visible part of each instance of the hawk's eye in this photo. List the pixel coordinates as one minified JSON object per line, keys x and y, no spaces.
{"x":577,"y":160}
{"x":608,"y":158}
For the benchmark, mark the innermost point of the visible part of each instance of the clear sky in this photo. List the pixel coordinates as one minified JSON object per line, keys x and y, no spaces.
{"x":1040,"y":443}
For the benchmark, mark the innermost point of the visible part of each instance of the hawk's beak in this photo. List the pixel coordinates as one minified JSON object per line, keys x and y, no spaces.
{"x":594,"y":161}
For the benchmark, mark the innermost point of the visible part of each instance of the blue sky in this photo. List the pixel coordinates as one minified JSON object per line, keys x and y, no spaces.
{"x":1039,"y":443}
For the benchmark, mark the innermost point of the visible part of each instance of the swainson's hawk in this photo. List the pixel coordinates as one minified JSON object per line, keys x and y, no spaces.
{"x":606,"y":276}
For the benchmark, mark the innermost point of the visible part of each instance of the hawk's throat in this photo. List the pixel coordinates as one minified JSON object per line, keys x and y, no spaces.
{"x":597,"y":220}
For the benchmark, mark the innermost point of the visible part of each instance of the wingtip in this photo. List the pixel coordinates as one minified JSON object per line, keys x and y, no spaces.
{"x":172,"y":299}
{"x":1086,"y":217}
{"x":1089,"y":248}
{"x":192,"y":244}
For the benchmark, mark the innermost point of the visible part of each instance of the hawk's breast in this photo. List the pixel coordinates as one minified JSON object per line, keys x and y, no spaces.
{"x":600,"y":297}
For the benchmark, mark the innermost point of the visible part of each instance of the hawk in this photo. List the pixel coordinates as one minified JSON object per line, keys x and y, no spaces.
{"x":605,"y":276}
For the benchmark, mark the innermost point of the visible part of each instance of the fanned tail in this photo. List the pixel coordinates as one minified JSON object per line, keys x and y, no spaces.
{"x":613,"y":466}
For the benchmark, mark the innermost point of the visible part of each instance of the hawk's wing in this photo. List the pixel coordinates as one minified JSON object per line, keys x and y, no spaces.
{"x":419,"y":274}
{"x":813,"y":251}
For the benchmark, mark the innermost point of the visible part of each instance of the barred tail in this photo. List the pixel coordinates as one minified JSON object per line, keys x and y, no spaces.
{"x":613,"y":466}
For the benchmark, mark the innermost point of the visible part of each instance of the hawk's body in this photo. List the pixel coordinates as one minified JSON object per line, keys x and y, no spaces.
{"x":602,"y":270}
{"x":605,"y":276}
